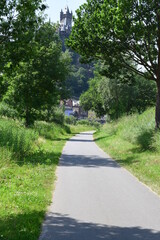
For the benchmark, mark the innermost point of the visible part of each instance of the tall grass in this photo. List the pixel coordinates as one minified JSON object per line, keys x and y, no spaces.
{"x":51,"y":130}
{"x":15,"y":141}
{"x":28,"y":159}
{"x":138,"y":129}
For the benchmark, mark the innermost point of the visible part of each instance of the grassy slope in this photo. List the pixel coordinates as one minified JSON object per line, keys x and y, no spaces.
{"x":28,"y":161}
{"x":132,"y":141}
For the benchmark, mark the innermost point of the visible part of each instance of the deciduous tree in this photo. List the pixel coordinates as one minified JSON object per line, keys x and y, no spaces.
{"x":37,"y":82}
{"x":121,"y":32}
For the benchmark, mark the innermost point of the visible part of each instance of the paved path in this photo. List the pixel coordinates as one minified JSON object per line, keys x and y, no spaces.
{"x":95,"y":199}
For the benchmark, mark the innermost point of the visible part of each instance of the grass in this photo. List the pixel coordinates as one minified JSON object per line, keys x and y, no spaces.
{"x":81,"y":128}
{"x":135,"y":145}
{"x":28,"y":160}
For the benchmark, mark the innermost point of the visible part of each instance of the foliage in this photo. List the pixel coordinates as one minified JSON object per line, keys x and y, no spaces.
{"x":92,"y":100}
{"x":51,"y":130}
{"x":28,"y":162}
{"x":15,"y":140}
{"x":82,"y":128}
{"x":124,"y":34}
{"x":27,"y":170}
{"x":88,"y":123}
{"x":38,"y":83}
{"x":53,"y":114}
{"x":77,"y":82}
{"x":117,"y":28}
{"x":121,"y":94}
{"x":58,"y":116}
{"x":70,"y":120}
{"x":18,"y":22}
{"x":7,"y":111}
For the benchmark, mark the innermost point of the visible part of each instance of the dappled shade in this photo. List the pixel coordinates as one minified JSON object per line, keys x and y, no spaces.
{"x":87,"y":161}
{"x":63,"y":227}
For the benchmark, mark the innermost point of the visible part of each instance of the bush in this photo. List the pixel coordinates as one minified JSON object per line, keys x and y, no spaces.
{"x":70,"y":120}
{"x":84,"y":122}
{"x":89,"y":123}
{"x":50,"y":130}
{"x":57,"y":116}
{"x":7,"y":111}
{"x":156,"y":141}
{"x":54,"y":114}
{"x":138,"y":129}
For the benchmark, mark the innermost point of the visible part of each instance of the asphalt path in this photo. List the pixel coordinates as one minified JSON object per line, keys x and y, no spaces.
{"x":96,"y":199}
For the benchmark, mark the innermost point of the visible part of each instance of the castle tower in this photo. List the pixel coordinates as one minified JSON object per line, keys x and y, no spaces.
{"x":65,"y":22}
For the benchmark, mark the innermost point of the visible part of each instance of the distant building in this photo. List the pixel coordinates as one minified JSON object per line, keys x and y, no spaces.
{"x":65,"y":22}
{"x":73,"y":108}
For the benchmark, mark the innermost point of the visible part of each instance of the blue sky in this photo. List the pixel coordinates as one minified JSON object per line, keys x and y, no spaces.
{"x":55,"y":7}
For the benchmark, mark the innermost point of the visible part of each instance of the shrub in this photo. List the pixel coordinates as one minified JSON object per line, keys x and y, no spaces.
{"x":156,"y":141}
{"x":50,"y":130}
{"x":7,"y":111}
{"x":54,"y":114}
{"x":57,"y":116}
{"x":137,"y":129}
{"x":89,"y":123}
{"x":70,"y":120}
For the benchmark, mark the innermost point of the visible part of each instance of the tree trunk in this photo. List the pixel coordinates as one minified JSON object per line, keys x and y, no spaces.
{"x":157,"y":117}
{"x":28,"y":118}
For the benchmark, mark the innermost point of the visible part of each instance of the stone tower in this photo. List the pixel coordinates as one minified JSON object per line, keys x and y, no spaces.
{"x":65,"y":22}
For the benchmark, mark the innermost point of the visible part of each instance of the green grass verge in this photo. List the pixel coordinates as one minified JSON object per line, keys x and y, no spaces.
{"x":81,"y":128}
{"x":133,"y":142}
{"x":28,"y":160}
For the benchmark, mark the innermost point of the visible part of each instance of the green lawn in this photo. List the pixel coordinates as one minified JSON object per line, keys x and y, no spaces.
{"x":28,"y":162}
{"x":135,"y":145}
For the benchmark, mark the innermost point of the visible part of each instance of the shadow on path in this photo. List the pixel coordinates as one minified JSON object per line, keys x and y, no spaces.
{"x":79,"y":140}
{"x":62,"y":227}
{"x":87,"y":161}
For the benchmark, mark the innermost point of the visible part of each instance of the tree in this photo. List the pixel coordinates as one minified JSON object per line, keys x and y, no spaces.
{"x":92,"y":99}
{"x":117,"y":95}
{"x":19,"y":21}
{"x":77,"y":82}
{"x":37,"y":82}
{"x":121,"y":32}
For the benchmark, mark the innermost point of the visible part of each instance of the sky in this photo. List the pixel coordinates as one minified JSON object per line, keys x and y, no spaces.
{"x":55,"y":7}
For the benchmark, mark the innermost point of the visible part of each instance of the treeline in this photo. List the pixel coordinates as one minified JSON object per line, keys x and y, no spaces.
{"x":33,"y":68}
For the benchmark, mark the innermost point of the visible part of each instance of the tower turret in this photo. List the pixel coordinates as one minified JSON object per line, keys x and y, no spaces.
{"x":65,"y":22}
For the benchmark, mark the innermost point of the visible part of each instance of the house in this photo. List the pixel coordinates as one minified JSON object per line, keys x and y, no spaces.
{"x":73,"y":108}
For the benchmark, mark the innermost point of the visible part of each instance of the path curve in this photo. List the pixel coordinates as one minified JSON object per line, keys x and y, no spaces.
{"x":96,"y":199}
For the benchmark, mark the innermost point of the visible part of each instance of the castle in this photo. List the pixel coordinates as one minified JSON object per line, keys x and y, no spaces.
{"x":65,"y":22}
